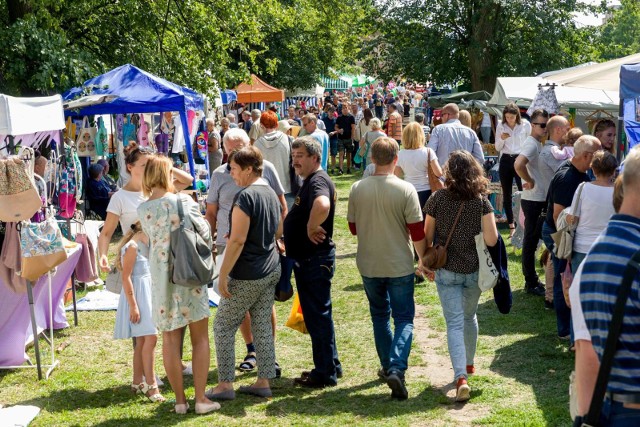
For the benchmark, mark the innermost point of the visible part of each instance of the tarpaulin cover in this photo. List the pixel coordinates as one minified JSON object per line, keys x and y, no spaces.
{"x":228,"y":96}
{"x":258,"y":91}
{"x":630,"y":81}
{"x":20,"y":116}
{"x":137,"y":91}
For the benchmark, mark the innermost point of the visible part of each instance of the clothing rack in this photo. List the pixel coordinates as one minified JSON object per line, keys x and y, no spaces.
{"x":34,"y":330}
{"x":78,"y":218}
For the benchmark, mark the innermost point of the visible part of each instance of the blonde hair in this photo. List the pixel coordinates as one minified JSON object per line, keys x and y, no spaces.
{"x":157,"y":173}
{"x":413,"y":136}
{"x":375,"y":124}
{"x":465,"y":118}
{"x":135,"y":228}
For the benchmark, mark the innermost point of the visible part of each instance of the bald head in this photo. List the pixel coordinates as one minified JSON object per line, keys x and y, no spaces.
{"x":557,"y":127}
{"x":452,"y":111}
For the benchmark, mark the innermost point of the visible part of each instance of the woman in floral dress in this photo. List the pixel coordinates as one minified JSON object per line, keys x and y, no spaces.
{"x":175,"y":307}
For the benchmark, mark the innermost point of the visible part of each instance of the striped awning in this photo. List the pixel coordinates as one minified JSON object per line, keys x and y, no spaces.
{"x":336,"y":84}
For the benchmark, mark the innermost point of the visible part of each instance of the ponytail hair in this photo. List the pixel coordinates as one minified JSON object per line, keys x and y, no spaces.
{"x":135,"y":228}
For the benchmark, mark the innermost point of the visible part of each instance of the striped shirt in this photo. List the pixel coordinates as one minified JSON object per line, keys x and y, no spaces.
{"x":602,"y":274}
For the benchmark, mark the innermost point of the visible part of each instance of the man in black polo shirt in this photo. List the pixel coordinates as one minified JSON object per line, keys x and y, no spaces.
{"x":563,"y":185}
{"x":308,"y":229}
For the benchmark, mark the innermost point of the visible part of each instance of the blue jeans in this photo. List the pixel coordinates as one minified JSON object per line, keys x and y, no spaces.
{"x":616,"y":415}
{"x":313,"y":280}
{"x":459,"y":295}
{"x":576,"y":260}
{"x":563,"y":312}
{"x":391,"y":296}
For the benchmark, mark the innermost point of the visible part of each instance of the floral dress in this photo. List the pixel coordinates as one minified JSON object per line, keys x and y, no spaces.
{"x":173,"y":306}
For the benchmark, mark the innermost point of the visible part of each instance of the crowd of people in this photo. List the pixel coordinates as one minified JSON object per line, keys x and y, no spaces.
{"x":274,"y":195}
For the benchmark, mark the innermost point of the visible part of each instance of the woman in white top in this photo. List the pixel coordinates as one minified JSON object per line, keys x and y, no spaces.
{"x":123,"y":205}
{"x":511,"y":133}
{"x":412,"y":161}
{"x":594,"y":207}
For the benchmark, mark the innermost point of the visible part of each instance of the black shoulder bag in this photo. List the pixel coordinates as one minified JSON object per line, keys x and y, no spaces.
{"x":615,"y":327}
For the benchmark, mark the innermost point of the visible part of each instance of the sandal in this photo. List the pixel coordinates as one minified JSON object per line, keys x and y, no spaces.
{"x":249,"y":363}
{"x":135,"y":388}
{"x":154,"y":397}
{"x":512,"y":230}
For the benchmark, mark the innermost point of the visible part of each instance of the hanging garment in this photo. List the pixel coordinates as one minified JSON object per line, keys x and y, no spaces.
{"x":546,"y":100}
{"x":69,"y":186}
{"x":10,"y":260}
{"x":86,"y":269}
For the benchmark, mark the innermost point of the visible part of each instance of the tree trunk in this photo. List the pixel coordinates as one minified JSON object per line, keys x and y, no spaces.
{"x":17,"y":9}
{"x":482,"y":51}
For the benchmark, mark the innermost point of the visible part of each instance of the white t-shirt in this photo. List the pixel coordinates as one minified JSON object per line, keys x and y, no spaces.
{"x":414,"y":166}
{"x":125,"y":204}
{"x":531,"y":150}
{"x":594,"y":209}
{"x":580,"y":330}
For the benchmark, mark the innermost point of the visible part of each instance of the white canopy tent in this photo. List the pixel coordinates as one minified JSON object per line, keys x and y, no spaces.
{"x":317,"y":91}
{"x":522,"y":90}
{"x":603,"y":76}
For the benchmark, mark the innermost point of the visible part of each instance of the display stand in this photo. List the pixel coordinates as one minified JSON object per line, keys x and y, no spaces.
{"x":34,"y":329}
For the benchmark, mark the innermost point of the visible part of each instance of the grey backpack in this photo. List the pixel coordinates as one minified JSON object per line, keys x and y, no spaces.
{"x":191,"y":262}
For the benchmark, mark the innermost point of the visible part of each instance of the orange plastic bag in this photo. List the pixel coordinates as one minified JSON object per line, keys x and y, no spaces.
{"x":296,"y":320}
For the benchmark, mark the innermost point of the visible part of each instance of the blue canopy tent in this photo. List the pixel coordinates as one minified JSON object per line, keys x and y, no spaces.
{"x":137,"y":91}
{"x":630,"y":102}
{"x":228,"y":96}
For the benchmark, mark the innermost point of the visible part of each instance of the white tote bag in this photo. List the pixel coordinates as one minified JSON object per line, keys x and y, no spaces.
{"x":487,"y":271}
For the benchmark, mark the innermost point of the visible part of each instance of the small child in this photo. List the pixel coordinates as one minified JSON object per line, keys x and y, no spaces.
{"x":566,"y":152}
{"x":133,"y":318}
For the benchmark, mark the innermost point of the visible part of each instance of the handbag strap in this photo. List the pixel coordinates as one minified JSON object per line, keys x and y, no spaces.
{"x":455,"y":222}
{"x":615,"y":327}
{"x":180,"y":211}
{"x":575,"y":208}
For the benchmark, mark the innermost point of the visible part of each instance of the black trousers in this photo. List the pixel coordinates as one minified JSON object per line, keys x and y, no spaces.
{"x":507,"y":174}
{"x":532,"y":235}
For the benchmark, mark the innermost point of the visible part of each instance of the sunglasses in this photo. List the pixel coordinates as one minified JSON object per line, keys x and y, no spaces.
{"x":542,"y":125}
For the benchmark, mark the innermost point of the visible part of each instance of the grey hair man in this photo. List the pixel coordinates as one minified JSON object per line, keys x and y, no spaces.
{"x":308,"y":231}
{"x":256,"y":130}
{"x":222,"y":193}
{"x":309,"y":125}
{"x":564,"y":184}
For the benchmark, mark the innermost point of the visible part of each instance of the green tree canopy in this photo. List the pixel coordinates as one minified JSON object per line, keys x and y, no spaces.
{"x":48,"y":46}
{"x":474,"y":41}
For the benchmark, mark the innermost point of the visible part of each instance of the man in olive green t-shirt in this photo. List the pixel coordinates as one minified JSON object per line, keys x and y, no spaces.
{"x":384,"y":213}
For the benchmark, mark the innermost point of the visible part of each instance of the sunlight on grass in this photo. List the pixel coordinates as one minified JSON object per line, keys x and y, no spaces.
{"x":522,"y":368}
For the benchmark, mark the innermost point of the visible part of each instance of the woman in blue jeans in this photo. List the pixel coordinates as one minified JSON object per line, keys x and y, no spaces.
{"x":457,"y":281}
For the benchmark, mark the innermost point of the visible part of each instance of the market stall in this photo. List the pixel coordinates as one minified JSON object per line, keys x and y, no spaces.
{"x":258,"y":91}
{"x":137,"y":91}
{"x":35,"y":262}
{"x":630,"y":99}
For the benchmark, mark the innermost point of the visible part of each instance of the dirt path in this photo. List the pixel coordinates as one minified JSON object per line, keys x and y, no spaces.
{"x":439,"y":373}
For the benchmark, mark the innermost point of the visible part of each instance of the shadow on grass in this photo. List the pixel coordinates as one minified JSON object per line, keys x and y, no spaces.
{"x":349,"y":400}
{"x":541,"y":362}
{"x":358,"y":287}
{"x":539,"y":359}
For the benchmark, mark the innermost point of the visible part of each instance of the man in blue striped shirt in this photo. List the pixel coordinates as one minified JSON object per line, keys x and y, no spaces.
{"x":602,"y":274}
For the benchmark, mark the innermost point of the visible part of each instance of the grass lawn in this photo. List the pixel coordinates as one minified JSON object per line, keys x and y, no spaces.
{"x":522,"y":369}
